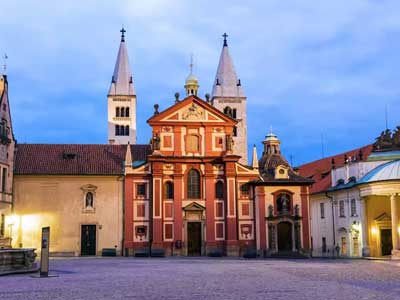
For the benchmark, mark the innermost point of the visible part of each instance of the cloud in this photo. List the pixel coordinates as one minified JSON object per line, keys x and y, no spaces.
{"x":307,"y":66}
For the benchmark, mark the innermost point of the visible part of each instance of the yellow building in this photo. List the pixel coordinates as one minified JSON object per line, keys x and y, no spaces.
{"x":77,"y":190}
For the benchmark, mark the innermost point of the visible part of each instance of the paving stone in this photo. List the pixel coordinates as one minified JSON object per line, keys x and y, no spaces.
{"x":208,"y":278}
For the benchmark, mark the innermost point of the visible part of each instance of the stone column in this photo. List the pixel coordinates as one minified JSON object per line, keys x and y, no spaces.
{"x":395,"y":226}
{"x":366,"y":251}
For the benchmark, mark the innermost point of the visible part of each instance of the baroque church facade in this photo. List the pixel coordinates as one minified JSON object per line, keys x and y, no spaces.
{"x":190,"y":191}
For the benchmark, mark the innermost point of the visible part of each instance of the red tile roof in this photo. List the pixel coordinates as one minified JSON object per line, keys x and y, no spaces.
{"x":319,"y":170}
{"x":75,"y":159}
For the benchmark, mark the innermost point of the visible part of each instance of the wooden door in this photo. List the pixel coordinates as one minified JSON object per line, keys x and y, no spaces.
{"x":386,"y":241}
{"x":285,"y":242}
{"x":88,"y":240}
{"x":194,"y":238}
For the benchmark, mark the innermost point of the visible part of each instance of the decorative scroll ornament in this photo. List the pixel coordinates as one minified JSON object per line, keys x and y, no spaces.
{"x":193,"y":112}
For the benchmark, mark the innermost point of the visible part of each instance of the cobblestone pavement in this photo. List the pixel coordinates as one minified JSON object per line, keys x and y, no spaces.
{"x":207,"y":278}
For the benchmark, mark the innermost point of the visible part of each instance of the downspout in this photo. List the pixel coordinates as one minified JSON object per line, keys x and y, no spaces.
{"x":123,"y":252}
{"x":333,"y":221}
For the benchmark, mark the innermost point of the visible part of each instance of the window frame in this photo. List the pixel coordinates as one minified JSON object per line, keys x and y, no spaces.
{"x":193,"y":189}
{"x":219,"y":189}
{"x":141,"y":190}
{"x":169,"y":190}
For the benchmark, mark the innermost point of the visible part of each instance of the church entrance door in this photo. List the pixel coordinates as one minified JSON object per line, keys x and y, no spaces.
{"x":386,"y":241}
{"x":88,"y":240}
{"x":285,"y":242}
{"x":194,"y":238}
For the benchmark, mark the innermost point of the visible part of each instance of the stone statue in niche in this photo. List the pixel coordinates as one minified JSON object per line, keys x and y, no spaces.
{"x":283,"y":203}
{"x":89,"y":200}
{"x":229,"y":143}
{"x":270,"y":211}
{"x":155,"y":141}
{"x":296,"y":210}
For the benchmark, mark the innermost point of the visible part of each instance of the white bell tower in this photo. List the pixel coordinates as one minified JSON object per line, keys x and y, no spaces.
{"x":122,"y":100}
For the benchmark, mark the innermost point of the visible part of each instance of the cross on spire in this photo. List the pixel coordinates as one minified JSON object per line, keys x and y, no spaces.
{"x":191,"y":63}
{"x":5,"y":57}
{"x":225,"y":41}
{"x":122,"y":34}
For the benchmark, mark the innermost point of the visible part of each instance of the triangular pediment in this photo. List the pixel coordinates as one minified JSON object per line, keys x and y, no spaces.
{"x":194,"y":207}
{"x":245,"y":170}
{"x":191,"y":109}
{"x":383,"y":217}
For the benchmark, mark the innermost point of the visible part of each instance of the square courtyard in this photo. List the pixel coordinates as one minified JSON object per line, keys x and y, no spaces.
{"x":208,"y":278}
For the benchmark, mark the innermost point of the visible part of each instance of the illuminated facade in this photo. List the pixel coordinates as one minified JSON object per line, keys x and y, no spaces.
{"x":189,"y":192}
{"x":355,"y":202}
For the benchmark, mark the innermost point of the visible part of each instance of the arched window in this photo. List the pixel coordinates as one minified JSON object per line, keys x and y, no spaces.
{"x":89,"y":200}
{"x":122,"y":112}
{"x":127,"y":130}
{"x":116,"y":129}
{"x":219,"y":190}
{"x":169,"y":190}
{"x":127,"y":112}
{"x":193,"y":184}
{"x":228,"y":111}
{"x":117,"y":111}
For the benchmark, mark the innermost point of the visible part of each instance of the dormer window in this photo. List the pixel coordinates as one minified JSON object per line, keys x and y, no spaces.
{"x":281,"y":172}
{"x":69,"y":155}
{"x":340,"y":181}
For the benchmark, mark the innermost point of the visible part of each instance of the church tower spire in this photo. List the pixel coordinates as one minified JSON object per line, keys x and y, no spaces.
{"x":122,"y":100}
{"x":228,"y":96}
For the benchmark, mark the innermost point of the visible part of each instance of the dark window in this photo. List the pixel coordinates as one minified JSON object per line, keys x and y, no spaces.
{"x":219,"y":190}
{"x":322,"y":209}
{"x":353,"y":207}
{"x":234,"y":113}
{"x":324,"y":245}
{"x":244,"y":190}
{"x":169,"y":190}
{"x":341,"y":209}
{"x":89,"y":200}
{"x":127,"y":112}
{"x":127,"y":130}
{"x":228,"y":111}
{"x":3,"y":179}
{"x":235,"y":131}
{"x":122,"y":112}
{"x":141,"y":189}
{"x":117,"y":111}
{"x":116,"y":129}
{"x":2,"y":225}
{"x":193,"y":184}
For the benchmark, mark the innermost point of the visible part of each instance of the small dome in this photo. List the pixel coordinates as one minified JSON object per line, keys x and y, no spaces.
{"x":192,"y":80}
{"x":271,"y":137}
{"x":387,"y":171}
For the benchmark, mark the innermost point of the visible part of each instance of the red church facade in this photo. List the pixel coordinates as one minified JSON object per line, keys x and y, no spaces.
{"x":193,"y":197}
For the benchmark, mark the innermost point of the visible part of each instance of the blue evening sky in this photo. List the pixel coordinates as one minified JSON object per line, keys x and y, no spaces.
{"x":309,"y":68}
